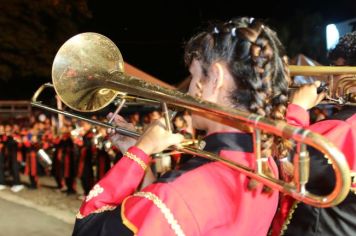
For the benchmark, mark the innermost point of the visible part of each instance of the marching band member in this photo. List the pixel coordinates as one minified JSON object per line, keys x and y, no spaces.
{"x":66,"y":158}
{"x":295,"y":218}
{"x":32,"y":145}
{"x":2,"y":157}
{"x":11,"y":153}
{"x":238,"y":64}
{"x":103,"y":159}
{"x":87,"y":153}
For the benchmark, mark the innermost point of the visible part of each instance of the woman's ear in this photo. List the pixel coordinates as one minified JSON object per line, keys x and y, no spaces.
{"x":218,"y":72}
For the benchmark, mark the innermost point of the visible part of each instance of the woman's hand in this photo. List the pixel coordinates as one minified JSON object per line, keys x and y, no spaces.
{"x":122,"y":142}
{"x":157,"y":138}
{"x":307,"y":96}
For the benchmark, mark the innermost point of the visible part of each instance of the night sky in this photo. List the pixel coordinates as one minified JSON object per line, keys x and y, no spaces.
{"x":149,"y":34}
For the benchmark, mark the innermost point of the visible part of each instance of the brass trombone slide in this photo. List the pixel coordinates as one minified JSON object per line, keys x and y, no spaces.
{"x":321,"y":70}
{"x":87,"y":73}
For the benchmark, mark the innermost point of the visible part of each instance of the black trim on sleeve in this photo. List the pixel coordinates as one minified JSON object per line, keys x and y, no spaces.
{"x":108,"y":223}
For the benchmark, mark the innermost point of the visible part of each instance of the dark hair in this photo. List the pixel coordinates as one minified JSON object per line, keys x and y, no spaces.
{"x":345,"y":48}
{"x":255,"y":58}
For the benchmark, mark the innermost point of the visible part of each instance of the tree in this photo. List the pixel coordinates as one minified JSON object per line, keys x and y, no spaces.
{"x":32,"y":32}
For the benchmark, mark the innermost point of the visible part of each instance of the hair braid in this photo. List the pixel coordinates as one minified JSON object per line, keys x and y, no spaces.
{"x":254,"y":57}
{"x":282,"y":147}
{"x":268,"y":87}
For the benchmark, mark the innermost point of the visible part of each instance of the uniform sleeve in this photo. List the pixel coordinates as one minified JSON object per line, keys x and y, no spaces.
{"x":342,"y":134}
{"x":121,"y":181}
{"x":297,"y":116}
{"x":157,"y":210}
{"x":106,"y":223}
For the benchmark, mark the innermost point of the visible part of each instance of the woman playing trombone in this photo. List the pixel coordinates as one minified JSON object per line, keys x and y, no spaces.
{"x":238,"y":64}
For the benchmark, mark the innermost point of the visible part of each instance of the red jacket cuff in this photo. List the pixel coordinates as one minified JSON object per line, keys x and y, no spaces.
{"x":137,"y":155}
{"x":121,"y":181}
{"x":297,"y":116}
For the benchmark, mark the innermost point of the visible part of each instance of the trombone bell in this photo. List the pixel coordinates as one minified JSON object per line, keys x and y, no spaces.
{"x":80,"y":66}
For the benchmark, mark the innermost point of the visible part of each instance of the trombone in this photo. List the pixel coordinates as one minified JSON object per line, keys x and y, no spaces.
{"x":87,"y":75}
{"x":341,"y":89}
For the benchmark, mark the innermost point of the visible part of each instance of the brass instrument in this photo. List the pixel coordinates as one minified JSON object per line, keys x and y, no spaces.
{"x":87,"y":74}
{"x":44,"y":159}
{"x":341,"y":81}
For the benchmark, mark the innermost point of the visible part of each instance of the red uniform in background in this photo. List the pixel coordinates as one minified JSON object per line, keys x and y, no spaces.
{"x":85,"y":164}
{"x":31,"y":161}
{"x":103,"y":162}
{"x":66,"y":162}
{"x":2,"y":160}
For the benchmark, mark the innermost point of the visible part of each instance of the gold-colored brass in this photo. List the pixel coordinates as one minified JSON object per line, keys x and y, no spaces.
{"x":321,"y":70}
{"x":346,"y":86}
{"x":78,"y":67}
{"x":341,"y":81}
{"x":87,"y":74}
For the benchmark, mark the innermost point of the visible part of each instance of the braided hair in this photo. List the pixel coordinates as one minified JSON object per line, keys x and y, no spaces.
{"x":255,"y":58}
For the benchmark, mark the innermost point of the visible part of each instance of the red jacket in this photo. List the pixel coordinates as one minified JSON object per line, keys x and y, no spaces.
{"x":203,"y":198}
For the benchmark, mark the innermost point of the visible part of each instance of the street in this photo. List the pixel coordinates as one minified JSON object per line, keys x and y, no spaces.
{"x":16,"y":219}
{"x":39,"y":212}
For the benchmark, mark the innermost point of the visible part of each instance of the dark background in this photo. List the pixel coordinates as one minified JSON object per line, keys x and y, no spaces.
{"x":149,"y":34}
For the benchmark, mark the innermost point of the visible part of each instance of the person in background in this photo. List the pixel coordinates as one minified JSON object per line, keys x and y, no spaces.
{"x":296,"y":218}
{"x":317,"y":114}
{"x":65,"y":153}
{"x":181,"y":126}
{"x":86,"y":159}
{"x":344,"y":55}
{"x":103,"y":160}
{"x":134,"y":119}
{"x":11,"y":148}
{"x":188,"y":118}
{"x":31,"y":168}
{"x":154,"y":115}
{"x":2,"y":157}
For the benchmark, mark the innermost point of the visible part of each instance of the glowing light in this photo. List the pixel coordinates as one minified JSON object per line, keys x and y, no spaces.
{"x":332,"y":36}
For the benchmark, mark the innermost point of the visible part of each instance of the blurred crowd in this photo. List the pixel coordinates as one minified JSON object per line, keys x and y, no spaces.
{"x":78,"y":152}
{"x":72,"y":152}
